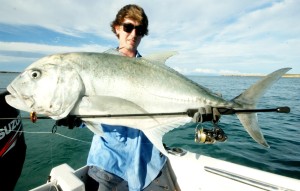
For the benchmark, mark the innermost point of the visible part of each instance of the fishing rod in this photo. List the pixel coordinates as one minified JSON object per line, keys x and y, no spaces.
{"x":190,"y":112}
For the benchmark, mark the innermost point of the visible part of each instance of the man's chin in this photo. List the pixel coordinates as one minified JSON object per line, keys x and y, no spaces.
{"x":131,"y":46}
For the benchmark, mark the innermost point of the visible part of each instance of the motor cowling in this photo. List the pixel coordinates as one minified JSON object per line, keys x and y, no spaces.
{"x":10,"y":125}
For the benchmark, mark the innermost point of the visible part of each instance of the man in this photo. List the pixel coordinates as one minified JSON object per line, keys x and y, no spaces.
{"x":12,"y":145}
{"x":124,"y":158}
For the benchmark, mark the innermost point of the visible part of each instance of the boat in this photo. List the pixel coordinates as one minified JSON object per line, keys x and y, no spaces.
{"x":192,"y":172}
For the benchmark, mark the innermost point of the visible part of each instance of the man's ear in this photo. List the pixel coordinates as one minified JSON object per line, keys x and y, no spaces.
{"x":117,"y":29}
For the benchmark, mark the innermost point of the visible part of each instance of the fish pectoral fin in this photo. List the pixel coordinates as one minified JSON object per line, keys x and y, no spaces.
{"x":97,"y":105}
{"x":155,"y":134}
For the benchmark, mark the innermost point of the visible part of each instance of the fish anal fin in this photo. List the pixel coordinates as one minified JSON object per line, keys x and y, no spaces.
{"x":94,"y":127}
{"x":155,"y":134}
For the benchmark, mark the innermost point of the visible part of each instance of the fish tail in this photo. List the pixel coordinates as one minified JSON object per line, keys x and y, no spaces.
{"x":249,"y":99}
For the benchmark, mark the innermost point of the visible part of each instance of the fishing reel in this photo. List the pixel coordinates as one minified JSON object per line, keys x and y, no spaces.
{"x":209,"y":136}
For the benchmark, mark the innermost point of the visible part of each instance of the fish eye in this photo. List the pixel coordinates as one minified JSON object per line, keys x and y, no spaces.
{"x":35,"y":74}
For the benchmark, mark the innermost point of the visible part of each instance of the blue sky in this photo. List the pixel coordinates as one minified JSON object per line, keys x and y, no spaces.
{"x":212,"y":37}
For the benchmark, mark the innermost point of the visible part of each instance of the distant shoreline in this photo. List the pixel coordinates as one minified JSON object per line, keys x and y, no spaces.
{"x":253,"y":75}
{"x":5,"y":72}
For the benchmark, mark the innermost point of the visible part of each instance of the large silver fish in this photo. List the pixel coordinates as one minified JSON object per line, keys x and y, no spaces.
{"x":102,"y":83}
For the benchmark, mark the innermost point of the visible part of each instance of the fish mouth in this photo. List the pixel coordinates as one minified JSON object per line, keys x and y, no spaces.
{"x":19,"y":101}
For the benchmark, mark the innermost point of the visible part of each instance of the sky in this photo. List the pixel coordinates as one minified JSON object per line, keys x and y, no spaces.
{"x":212,"y":37}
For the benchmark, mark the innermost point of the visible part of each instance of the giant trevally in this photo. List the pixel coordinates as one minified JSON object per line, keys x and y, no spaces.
{"x":103,"y":83}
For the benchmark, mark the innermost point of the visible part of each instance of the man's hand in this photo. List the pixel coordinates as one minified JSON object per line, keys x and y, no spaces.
{"x":69,"y":121}
{"x":207,"y":113}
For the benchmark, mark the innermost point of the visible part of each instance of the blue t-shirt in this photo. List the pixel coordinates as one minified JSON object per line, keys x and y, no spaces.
{"x":127,"y":153}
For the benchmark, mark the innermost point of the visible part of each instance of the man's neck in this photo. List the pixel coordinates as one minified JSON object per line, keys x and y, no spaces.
{"x":126,"y":52}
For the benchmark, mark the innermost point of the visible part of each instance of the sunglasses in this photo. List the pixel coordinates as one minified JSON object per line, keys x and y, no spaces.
{"x":128,"y":27}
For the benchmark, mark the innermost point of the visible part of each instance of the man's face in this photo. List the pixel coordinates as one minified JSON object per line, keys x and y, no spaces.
{"x":128,"y":40}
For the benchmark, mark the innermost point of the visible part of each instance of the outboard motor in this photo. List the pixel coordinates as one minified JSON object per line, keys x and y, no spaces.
{"x":12,"y":144}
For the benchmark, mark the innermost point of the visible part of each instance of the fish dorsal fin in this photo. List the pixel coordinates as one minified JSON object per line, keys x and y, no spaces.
{"x":160,"y":58}
{"x":112,"y":51}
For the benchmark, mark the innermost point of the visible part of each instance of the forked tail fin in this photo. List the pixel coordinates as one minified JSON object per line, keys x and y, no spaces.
{"x":248,"y":100}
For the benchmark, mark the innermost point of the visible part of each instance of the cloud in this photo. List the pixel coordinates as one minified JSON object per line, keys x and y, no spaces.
{"x":206,"y":71}
{"x":214,"y":36}
{"x":48,"y":49}
{"x":71,"y":17}
{"x":23,"y":54}
{"x":222,"y":72}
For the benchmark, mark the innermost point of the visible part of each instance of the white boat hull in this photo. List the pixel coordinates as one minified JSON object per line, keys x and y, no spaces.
{"x":199,"y":172}
{"x":193,"y":172}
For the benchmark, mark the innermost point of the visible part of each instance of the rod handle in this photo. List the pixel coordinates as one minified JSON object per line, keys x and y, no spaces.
{"x":283,"y":109}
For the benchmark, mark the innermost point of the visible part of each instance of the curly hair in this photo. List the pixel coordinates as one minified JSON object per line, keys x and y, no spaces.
{"x":133,"y":12}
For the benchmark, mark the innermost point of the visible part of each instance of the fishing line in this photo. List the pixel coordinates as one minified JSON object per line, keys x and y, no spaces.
{"x":51,"y":152}
{"x":43,"y":132}
{"x":73,"y":138}
{"x":48,"y":132}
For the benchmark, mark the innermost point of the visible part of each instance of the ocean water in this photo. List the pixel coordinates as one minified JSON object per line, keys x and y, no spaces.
{"x":45,"y":150}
